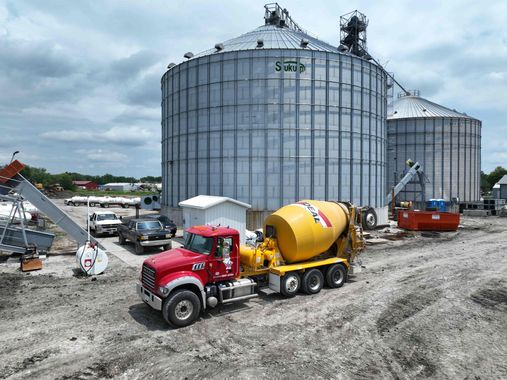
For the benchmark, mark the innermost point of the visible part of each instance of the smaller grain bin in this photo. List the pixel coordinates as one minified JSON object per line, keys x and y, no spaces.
{"x":445,"y":142}
{"x":214,"y":210}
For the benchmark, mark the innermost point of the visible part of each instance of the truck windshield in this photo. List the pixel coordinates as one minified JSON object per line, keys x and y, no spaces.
{"x":199,"y":244}
{"x":106,"y":217}
{"x":155,"y":225}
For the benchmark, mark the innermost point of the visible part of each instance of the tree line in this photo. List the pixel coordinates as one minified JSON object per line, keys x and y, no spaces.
{"x":41,"y":175}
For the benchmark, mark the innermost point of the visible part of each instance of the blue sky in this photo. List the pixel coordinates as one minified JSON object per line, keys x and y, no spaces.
{"x":80,"y":80}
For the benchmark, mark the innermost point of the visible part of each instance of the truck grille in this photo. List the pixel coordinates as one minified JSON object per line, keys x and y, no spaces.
{"x":148,"y":277}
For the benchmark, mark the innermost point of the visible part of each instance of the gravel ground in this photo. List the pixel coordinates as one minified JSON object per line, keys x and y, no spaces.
{"x":421,"y":308}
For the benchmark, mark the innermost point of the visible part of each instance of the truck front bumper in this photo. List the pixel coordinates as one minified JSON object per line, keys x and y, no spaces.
{"x":107,"y":230}
{"x":154,"y":243}
{"x":149,"y":297}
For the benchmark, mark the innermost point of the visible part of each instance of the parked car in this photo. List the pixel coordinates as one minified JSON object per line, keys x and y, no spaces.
{"x":104,"y":222}
{"x":166,"y":222}
{"x":144,"y":232}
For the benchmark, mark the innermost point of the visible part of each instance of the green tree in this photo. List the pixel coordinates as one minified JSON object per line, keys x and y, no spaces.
{"x":495,"y":176}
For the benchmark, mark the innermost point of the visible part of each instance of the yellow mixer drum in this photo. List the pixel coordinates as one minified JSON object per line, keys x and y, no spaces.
{"x":306,"y":228}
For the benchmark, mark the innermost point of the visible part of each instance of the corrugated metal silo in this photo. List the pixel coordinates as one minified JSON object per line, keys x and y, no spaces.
{"x":447,"y":144}
{"x":271,"y":117}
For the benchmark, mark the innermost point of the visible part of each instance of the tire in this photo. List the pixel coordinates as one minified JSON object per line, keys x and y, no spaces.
{"x":139,"y":248}
{"x":105,"y":205}
{"x":181,"y":308}
{"x":313,"y":281}
{"x":121,"y":239}
{"x":290,"y":284}
{"x":336,"y":276}
{"x":370,"y":219}
{"x":92,"y":204}
{"x":124,"y":206}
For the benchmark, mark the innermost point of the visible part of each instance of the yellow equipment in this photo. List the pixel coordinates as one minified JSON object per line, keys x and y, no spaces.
{"x":305,"y":233}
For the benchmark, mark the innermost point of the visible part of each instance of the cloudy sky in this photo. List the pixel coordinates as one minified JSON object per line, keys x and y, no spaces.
{"x":80,"y":80}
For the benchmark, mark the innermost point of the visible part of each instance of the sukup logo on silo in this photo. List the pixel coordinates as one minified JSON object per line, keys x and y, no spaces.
{"x":289,"y":66}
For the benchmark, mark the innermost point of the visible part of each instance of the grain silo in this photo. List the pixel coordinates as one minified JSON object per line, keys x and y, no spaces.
{"x":447,"y":143}
{"x":274,"y":116}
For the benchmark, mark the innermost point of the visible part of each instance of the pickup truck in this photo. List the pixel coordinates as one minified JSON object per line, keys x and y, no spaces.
{"x":104,"y":222}
{"x":144,"y":232}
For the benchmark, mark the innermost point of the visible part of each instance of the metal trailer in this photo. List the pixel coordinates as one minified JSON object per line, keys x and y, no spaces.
{"x":18,"y":238}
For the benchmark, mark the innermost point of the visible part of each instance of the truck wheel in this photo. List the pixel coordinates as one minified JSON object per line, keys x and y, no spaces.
{"x":121,"y":239}
{"x":336,"y":276}
{"x":92,"y":204}
{"x":370,"y":219}
{"x":139,"y":248}
{"x":181,"y":308}
{"x":290,"y":284}
{"x":313,"y":280}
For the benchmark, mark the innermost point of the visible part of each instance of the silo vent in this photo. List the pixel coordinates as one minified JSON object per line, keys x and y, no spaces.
{"x":219,"y":47}
{"x":304,"y":42}
{"x":395,"y":112}
{"x":188,"y":55}
{"x":424,"y":109}
{"x":171,"y":65}
{"x":260,"y":43}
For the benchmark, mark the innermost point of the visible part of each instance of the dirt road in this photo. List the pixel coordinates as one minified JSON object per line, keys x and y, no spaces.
{"x":421,"y":307}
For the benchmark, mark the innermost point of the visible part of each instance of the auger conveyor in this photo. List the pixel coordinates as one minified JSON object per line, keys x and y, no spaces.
{"x":11,"y":180}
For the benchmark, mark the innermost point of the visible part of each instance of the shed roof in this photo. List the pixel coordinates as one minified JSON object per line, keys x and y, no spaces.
{"x":408,"y":107}
{"x":503,"y":180}
{"x":203,"y":202}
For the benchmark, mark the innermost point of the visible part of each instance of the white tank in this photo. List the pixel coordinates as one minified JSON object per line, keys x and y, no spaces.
{"x":91,"y":259}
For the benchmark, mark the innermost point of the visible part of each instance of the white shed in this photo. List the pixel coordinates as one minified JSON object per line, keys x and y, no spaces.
{"x":214,"y":210}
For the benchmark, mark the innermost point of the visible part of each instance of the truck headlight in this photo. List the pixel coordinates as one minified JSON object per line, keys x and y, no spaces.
{"x":163,"y":291}
{"x":168,"y":235}
{"x":143,"y":237}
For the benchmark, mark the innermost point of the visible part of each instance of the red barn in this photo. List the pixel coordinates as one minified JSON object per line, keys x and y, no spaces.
{"x":88,"y":185}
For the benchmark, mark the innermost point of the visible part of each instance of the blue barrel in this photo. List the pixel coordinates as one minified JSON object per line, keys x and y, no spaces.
{"x":437,"y":204}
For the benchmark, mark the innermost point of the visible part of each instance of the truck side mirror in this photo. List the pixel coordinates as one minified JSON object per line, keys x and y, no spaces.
{"x":218,"y":250}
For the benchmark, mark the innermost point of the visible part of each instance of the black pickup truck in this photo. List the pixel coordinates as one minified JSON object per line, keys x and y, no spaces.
{"x":144,"y":233}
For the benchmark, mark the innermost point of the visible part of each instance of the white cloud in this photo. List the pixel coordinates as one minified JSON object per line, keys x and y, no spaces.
{"x":105,"y":156}
{"x":129,"y":135}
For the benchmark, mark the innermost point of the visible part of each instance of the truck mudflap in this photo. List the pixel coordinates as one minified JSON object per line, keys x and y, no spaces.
{"x":149,"y":297}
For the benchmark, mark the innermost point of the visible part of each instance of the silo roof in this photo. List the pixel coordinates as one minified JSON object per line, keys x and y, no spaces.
{"x":273,"y":37}
{"x":408,"y":107}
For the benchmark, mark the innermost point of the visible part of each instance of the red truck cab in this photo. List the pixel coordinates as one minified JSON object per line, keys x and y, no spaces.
{"x":182,"y":282}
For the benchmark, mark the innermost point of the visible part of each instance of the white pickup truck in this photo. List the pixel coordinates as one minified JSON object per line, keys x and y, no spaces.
{"x":104,"y":222}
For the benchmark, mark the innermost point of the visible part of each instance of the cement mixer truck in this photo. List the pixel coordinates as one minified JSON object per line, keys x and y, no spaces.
{"x":307,"y":245}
